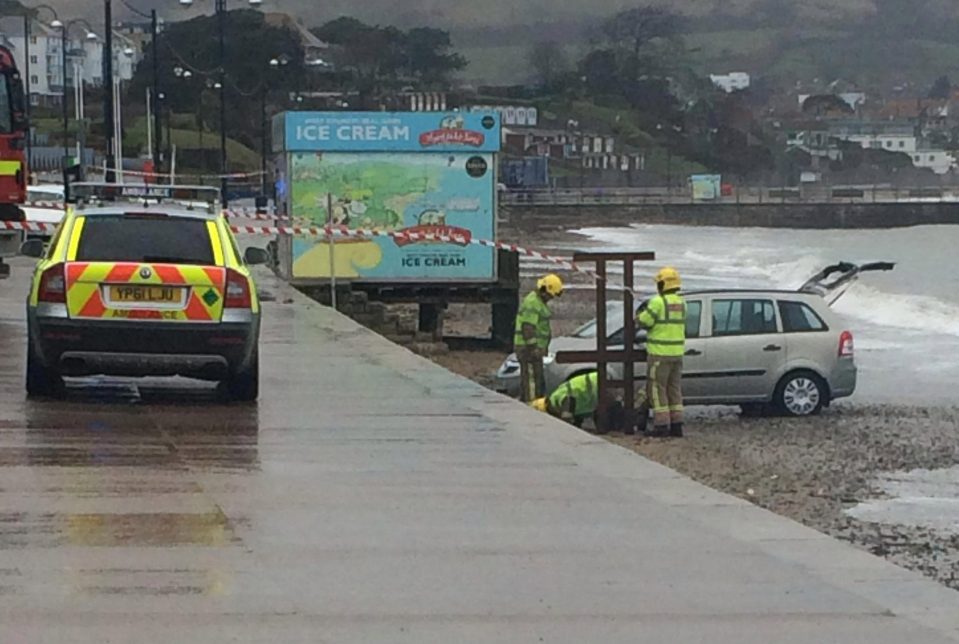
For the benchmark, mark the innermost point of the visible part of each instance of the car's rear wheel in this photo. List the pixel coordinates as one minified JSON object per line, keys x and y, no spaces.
{"x":245,"y":385}
{"x":801,"y":393}
{"x":41,"y":380}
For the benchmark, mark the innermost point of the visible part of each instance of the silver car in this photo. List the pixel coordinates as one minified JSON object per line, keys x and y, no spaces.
{"x":760,"y":349}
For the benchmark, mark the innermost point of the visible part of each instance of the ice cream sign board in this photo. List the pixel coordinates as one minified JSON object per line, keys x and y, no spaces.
{"x":389,"y":131}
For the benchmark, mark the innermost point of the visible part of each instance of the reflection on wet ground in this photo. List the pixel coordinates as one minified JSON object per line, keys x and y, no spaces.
{"x":146,"y":446}
{"x":26,"y":530}
{"x":167,"y":427}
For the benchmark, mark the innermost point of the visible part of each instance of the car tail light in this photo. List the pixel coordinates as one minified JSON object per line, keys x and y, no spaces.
{"x":845,"y":345}
{"x":238,"y":294}
{"x":53,"y":285}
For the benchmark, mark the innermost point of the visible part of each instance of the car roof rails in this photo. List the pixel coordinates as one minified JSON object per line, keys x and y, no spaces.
{"x":93,"y":194}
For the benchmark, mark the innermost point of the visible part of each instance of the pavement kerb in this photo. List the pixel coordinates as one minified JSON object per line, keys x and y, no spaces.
{"x":893,"y":589}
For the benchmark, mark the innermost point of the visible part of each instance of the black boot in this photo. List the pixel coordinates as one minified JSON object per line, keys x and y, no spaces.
{"x":641,"y":420}
{"x":676,"y":430}
{"x":658,"y":431}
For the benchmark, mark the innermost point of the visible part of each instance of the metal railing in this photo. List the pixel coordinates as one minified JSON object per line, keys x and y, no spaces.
{"x":740,"y":195}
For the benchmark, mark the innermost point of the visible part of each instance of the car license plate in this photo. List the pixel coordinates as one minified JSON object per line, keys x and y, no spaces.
{"x":133,"y":294}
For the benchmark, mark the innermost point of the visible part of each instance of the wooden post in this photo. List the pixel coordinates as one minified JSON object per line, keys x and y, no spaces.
{"x":602,"y":425}
{"x":603,"y":356}
{"x":329,"y":220}
{"x":629,"y":333}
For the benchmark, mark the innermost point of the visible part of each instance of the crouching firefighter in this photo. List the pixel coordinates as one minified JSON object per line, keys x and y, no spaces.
{"x":578,"y":399}
{"x":533,"y":335}
{"x":664,"y":318}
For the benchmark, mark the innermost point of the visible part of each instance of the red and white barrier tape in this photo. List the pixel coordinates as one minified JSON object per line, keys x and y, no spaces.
{"x":45,"y":205}
{"x":232,"y":213}
{"x":260,"y":216}
{"x":342,"y":231}
{"x":29,"y":226}
{"x":246,"y":210}
{"x":140,"y":173}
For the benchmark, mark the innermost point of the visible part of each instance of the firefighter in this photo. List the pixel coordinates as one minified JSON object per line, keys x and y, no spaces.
{"x":576,"y":400}
{"x":664,"y":318}
{"x":533,"y":335}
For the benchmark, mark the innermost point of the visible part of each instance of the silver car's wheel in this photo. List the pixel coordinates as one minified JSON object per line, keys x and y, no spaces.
{"x":801,"y":394}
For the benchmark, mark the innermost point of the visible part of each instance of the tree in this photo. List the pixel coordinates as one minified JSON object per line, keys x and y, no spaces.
{"x":253,"y":42}
{"x":341,"y":31}
{"x":652,"y":96}
{"x":548,"y":60}
{"x":599,"y":69}
{"x":634,"y":28}
{"x":15,"y":8}
{"x":381,"y":57}
{"x":430,"y":55}
{"x":941,"y":89}
{"x":823,"y":104}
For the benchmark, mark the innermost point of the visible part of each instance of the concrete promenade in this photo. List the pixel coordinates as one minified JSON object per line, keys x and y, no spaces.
{"x":374,"y":497}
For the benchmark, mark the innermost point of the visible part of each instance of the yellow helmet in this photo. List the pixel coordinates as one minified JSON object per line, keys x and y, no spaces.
{"x":668,"y":279}
{"x":552,"y":284}
{"x":539,"y":404}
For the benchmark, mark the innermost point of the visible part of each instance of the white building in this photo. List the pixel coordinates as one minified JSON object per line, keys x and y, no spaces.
{"x":895,"y":137}
{"x":46,"y":64}
{"x":939,"y":161}
{"x":853,"y":99}
{"x":731,"y":82}
{"x":126,"y":55}
{"x":46,"y":78}
{"x":907,"y":143}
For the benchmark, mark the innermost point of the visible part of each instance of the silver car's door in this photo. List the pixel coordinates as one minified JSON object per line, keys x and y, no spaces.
{"x":810,"y":343}
{"x":745,"y":348}
{"x":695,"y":362}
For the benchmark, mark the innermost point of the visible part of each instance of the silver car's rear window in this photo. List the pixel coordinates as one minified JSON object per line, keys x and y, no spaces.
{"x":614,"y":320}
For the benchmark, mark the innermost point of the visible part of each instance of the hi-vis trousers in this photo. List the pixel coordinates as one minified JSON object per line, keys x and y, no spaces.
{"x":664,"y":390}
{"x":532,"y":381}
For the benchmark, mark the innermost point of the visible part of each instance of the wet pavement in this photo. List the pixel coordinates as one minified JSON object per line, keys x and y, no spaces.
{"x":371,"y":496}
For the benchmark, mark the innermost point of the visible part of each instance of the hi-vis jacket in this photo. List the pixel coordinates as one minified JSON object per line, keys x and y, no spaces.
{"x":665,"y":319}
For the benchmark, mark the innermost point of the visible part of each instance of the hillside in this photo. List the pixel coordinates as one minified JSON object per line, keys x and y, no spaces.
{"x":783,"y":40}
{"x":467,"y":14}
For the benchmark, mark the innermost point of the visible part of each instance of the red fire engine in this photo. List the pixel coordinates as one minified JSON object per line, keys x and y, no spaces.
{"x":13,"y":165}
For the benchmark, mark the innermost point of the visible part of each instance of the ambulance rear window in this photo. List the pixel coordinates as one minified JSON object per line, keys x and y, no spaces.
{"x":134,"y":238}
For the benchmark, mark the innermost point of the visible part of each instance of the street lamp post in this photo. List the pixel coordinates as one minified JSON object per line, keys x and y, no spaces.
{"x":108,"y":116}
{"x":55,"y":24}
{"x":157,"y":94}
{"x":275,"y":64}
{"x":64,"y":42}
{"x":220,"y":8}
{"x":157,"y":124}
{"x":263,"y":146}
{"x":27,"y":18}
{"x":63,"y":101}
{"x":221,"y":25}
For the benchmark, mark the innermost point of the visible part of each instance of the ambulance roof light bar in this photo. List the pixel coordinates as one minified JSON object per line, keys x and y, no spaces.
{"x":90,"y":193}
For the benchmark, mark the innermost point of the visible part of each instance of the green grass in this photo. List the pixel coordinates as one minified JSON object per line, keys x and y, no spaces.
{"x":628,"y":134}
{"x":240,"y":156}
{"x":134,"y":138}
{"x":505,"y":65}
{"x":54,"y":126}
{"x":711,"y":48}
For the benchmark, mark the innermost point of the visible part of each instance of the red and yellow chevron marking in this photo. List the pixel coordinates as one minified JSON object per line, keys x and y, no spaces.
{"x":87,"y":281}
